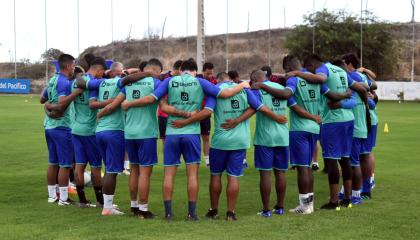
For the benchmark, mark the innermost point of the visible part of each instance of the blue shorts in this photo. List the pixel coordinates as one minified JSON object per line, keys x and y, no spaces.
{"x":188,"y":145}
{"x":111,"y":147}
{"x":60,"y":146}
{"x":231,"y":161}
{"x":142,"y":152}
{"x":86,"y":151}
{"x":356,"y":151}
{"x":371,"y":140}
{"x":267,"y":158}
{"x":302,"y":147}
{"x":336,"y":139}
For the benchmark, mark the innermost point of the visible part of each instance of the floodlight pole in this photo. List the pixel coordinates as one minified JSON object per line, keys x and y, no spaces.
{"x":413,"y":3}
{"x":112,"y":29}
{"x":361,"y":32}
{"x":269,"y":32}
{"x":200,"y":35}
{"x":46,"y":41}
{"x":227,"y":35}
{"x":148,"y":27}
{"x":14,"y":33}
{"x":186,"y":23}
{"x":313,"y":27}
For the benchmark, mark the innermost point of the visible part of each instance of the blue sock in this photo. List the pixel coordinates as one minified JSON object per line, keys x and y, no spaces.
{"x":191,"y":208}
{"x":168,"y":207}
{"x":367,"y":185}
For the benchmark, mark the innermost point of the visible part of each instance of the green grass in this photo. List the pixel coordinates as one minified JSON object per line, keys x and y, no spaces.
{"x":25,"y":214}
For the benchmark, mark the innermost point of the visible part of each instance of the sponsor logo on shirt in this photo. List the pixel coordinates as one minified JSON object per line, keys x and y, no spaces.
{"x":234,"y":103}
{"x":184,"y":96}
{"x":136,"y":94}
{"x":311,"y":93}
{"x":106,"y":95}
{"x":276,"y":102}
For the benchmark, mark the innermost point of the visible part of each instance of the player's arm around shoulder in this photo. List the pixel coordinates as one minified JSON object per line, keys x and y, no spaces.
{"x":112,"y":106}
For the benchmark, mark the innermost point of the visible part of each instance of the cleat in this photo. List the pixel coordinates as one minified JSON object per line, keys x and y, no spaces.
{"x":264,"y":213}
{"x":100,"y":205}
{"x":356,"y":200}
{"x":366,"y":195}
{"x":373,"y":184}
{"x":331,"y":206}
{"x":278,"y":210}
{"x":301,"y":210}
{"x":111,"y":211}
{"x":192,"y":217}
{"x":345,"y":203}
{"x":135,"y":210}
{"x":169,"y":217}
{"x":230,"y":216}
{"x":86,"y":205}
{"x":65,"y":203}
{"x":315,"y":166}
{"x":207,"y":162}
{"x":212,"y":214}
{"x":52,"y":200}
{"x":145,"y":214}
{"x":126,"y":172}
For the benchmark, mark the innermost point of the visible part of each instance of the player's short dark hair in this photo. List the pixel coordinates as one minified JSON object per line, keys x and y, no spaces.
{"x":208,"y":65}
{"x":177,"y":65}
{"x":222,"y":75}
{"x":65,"y":59}
{"x":290,"y":63}
{"x":312,"y":59}
{"x":338,"y":63}
{"x":256,"y":74}
{"x":142,"y":65}
{"x":99,"y":61}
{"x":267,"y":70}
{"x":233,"y":74}
{"x":155,"y":62}
{"x":189,"y":65}
{"x":351,"y":58}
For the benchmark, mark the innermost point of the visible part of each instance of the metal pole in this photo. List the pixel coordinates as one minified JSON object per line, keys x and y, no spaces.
{"x":78,"y":29}
{"x":186,"y":23}
{"x":46,"y":42}
{"x":148,"y":27}
{"x":269,"y":32}
{"x":247,"y":29}
{"x":361,"y":32}
{"x":163,"y":27}
{"x":200,"y":35}
{"x":227,"y":37}
{"x":413,"y":3}
{"x":313,"y":27}
{"x":14,"y":32}
{"x":112,"y":29}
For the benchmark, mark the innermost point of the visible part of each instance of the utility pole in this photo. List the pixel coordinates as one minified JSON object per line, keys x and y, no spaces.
{"x":269,"y":32}
{"x":361,"y":32}
{"x":200,"y":35}
{"x":227,"y":35}
{"x":14,"y":33}
{"x":413,"y":21}
{"x":46,"y":41}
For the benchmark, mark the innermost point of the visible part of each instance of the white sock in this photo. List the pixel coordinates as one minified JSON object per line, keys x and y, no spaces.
{"x":126,"y":164}
{"x":51,"y":191}
{"x":134,"y":204}
{"x":342,"y":189}
{"x":355,"y":193}
{"x":244,"y":161}
{"x":207,"y":160}
{"x":57,"y":189}
{"x":303,"y":199}
{"x":311,"y":195}
{"x":143,"y":207}
{"x":108,"y":200}
{"x":372,"y":179}
{"x":64,"y":193}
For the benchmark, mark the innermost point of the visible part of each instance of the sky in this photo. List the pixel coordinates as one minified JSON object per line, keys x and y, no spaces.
{"x":130,"y":18}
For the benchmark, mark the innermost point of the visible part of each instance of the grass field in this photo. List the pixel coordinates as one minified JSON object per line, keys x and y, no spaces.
{"x":25,"y":214}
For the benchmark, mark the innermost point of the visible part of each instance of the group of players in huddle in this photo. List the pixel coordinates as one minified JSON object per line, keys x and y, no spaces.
{"x":95,"y":115}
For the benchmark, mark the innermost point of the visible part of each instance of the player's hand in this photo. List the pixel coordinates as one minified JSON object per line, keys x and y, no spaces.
{"x":256,"y":85}
{"x":230,"y":124}
{"x":361,"y":69}
{"x":180,"y":123}
{"x":245,"y":84}
{"x":281,"y":119}
{"x":317,"y":119}
{"x":192,"y":113}
{"x":334,"y":105}
{"x":125,"y":105}
{"x":79,"y":90}
{"x":370,"y":95}
{"x":349,"y":92}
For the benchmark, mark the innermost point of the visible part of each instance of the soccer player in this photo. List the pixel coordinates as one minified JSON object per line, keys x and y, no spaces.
{"x":337,"y":125}
{"x":83,"y":136}
{"x":163,"y":117}
{"x":205,"y":124}
{"x":360,"y":134}
{"x":304,"y":126}
{"x":229,"y":145}
{"x":234,"y":76}
{"x":185,"y":92}
{"x":57,"y":130}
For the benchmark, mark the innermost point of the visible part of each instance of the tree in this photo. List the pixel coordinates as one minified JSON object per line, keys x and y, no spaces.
{"x":51,"y":54}
{"x":338,"y":33}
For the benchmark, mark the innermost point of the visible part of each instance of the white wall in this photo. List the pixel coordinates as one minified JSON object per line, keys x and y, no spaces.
{"x":390,"y":90}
